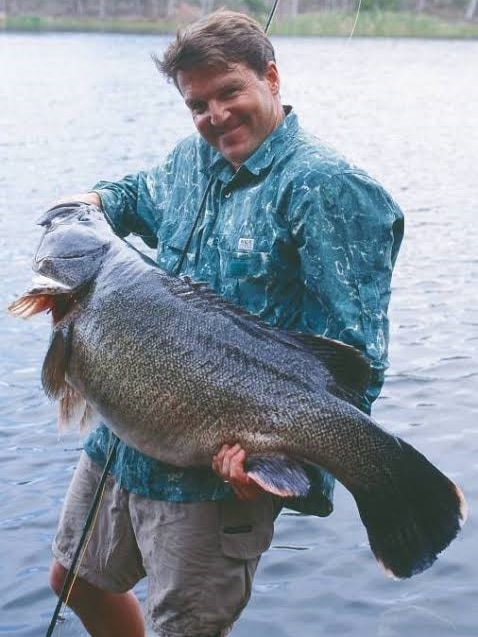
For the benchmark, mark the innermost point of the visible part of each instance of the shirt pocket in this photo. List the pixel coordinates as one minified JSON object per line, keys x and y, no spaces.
{"x":244,"y":265}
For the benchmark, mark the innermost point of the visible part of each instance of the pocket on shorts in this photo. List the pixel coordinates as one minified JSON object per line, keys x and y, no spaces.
{"x":247,"y":527}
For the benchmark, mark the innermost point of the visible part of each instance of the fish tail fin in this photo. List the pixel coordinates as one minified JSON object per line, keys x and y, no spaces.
{"x":413,"y":517}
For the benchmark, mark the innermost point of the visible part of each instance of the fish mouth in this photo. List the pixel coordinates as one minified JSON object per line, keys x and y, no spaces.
{"x":46,"y":259}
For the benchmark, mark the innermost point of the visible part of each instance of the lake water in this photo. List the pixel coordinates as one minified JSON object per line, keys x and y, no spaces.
{"x":76,"y":108}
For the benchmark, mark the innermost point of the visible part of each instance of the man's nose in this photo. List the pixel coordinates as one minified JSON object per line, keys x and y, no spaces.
{"x":217,"y":113}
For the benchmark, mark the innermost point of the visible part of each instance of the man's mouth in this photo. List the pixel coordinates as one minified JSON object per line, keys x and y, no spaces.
{"x":230,"y":133}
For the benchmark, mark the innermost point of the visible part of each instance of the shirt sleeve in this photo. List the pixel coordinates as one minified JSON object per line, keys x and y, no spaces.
{"x":135,"y":203}
{"x":348,"y":231}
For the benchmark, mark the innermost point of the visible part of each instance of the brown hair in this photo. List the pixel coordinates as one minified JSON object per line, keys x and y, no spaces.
{"x":218,"y":40}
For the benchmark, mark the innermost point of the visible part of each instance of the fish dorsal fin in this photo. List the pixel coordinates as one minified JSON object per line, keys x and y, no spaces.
{"x":203,"y":289}
{"x":211,"y":301}
{"x":350,"y":368}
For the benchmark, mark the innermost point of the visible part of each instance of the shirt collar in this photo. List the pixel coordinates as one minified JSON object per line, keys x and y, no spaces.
{"x":262,"y":157}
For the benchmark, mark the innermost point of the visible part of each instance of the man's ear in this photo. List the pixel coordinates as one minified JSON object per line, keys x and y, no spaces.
{"x":272,"y":77}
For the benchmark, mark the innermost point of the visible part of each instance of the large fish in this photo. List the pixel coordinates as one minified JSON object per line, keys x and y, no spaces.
{"x":176,"y":371}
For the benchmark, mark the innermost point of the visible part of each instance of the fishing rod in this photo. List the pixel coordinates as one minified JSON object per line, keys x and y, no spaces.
{"x":271,"y":16}
{"x":90,"y":518}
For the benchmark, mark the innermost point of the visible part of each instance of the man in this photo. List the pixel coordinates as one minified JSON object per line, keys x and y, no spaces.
{"x":278,"y":224}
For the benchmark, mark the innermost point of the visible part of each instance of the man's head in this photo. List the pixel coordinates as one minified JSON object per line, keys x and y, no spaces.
{"x":224,"y":67}
{"x":218,"y":41}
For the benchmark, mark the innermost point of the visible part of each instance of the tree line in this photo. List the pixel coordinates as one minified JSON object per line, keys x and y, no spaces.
{"x":185,"y":10}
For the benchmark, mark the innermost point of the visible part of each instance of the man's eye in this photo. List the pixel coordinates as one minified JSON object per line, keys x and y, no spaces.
{"x":231,"y":92}
{"x":197,"y":108}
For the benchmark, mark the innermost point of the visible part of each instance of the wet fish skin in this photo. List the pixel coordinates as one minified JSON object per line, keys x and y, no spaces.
{"x":176,"y":371}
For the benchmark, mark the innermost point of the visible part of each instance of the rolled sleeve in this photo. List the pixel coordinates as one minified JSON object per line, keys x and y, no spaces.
{"x":133,"y":204}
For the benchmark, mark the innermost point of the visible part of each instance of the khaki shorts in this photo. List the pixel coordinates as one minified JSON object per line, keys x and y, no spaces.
{"x":200,"y":558}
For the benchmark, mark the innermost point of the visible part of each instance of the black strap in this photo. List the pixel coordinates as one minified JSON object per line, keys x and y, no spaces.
{"x":177,"y":268}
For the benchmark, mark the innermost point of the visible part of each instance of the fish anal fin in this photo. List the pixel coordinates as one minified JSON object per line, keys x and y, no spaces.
{"x":278,"y":474}
{"x":54,"y":365}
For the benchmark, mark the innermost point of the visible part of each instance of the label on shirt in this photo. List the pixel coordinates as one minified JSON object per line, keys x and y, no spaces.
{"x":245,"y":244}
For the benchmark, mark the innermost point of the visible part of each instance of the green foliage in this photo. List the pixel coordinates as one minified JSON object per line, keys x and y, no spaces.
{"x":380,"y":5}
{"x":324,"y":23}
{"x":24,"y":23}
{"x":374,"y":23}
{"x":255,"y":6}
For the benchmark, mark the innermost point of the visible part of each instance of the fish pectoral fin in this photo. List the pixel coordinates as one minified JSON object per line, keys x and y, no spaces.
{"x":278,"y":474}
{"x":74,"y":410}
{"x":54,"y":365}
{"x":72,"y":406}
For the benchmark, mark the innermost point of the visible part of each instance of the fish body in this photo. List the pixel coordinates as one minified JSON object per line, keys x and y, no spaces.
{"x":176,"y":371}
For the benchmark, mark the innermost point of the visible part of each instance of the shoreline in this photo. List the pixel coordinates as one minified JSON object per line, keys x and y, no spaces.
{"x":323,"y":24}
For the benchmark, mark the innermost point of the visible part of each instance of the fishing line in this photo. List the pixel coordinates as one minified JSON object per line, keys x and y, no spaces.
{"x":177,"y":267}
{"x":356,"y":20}
{"x":89,"y":522}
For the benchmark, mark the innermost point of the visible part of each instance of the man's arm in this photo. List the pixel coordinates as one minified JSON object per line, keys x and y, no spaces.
{"x":348,"y":232}
{"x":127,"y":204}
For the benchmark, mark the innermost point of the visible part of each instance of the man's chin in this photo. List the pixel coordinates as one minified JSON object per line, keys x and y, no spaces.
{"x":235,"y":155}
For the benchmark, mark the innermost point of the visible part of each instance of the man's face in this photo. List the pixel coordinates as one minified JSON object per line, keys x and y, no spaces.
{"x":233,"y":109}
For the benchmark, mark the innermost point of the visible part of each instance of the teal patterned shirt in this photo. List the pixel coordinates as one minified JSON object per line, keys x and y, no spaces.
{"x":296,"y":236}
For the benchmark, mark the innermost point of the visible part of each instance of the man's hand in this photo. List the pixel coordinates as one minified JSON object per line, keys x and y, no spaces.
{"x":85,"y":197}
{"x":229,"y":465}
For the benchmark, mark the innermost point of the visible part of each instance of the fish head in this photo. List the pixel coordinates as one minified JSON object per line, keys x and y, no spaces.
{"x":72,"y":249}
{"x":75,"y":240}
